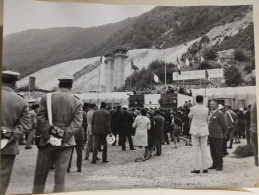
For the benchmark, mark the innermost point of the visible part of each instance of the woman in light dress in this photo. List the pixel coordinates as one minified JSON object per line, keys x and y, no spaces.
{"x":140,"y":140}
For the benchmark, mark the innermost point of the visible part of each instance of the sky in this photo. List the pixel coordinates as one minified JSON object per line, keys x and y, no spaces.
{"x":20,"y":15}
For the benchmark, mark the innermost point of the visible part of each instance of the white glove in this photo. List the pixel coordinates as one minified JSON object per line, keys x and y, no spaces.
{"x":55,"y":141}
{"x":4,"y":142}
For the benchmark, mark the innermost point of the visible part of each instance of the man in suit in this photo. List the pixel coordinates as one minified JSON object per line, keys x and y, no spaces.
{"x":158,"y":132}
{"x":217,"y":130}
{"x":254,"y":132}
{"x":124,"y":126}
{"x":101,"y":128}
{"x":89,"y":131}
{"x":67,"y":120}
{"x":15,"y":121}
{"x":79,"y":139}
{"x":231,"y":124}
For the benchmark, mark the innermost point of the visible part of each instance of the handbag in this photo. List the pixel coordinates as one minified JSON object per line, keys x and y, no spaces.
{"x":56,"y":134}
{"x":6,"y":135}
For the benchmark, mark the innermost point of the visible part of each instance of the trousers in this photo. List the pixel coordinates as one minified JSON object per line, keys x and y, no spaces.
{"x":30,"y":137}
{"x":98,"y":138}
{"x":7,"y":162}
{"x":200,"y":146}
{"x":79,"y":152}
{"x":158,"y":144}
{"x":89,"y":145}
{"x":60,"y":156}
{"x":122,"y":137}
{"x":216,"y":151}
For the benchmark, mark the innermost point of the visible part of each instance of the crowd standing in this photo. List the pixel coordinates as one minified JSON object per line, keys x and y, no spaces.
{"x":61,"y":122}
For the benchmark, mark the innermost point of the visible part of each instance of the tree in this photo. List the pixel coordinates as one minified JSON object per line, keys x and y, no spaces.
{"x":239,"y":55}
{"x":210,"y":53}
{"x":232,"y":76}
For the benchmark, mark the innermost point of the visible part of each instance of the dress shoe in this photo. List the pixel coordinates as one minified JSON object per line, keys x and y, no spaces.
{"x":219,"y":168}
{"x":27,"y":147}
{"x":205,"y":171}
{"x":123,"y":149}
{"x":79,"y":170}
{"x":230,"y":147}
{"x":68,"y":170}
{"x":86,"y":158}
{"x":132,"y":149}
{"x":93,"y":162}
{"x":212,"y":167}
{"x":196,"y":171}
{"x":106,"y":161}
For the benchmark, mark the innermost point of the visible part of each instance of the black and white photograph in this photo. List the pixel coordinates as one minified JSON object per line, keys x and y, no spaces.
{"x":110,"y":97}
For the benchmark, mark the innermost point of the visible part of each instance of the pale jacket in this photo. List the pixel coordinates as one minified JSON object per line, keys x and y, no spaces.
{"x":142,"y":125}
{"x":89,"y":116}
{"x":199,"y":124}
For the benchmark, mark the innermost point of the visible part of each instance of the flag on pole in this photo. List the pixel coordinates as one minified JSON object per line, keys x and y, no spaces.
{"x":219,"y":63}
{"x":156,"y":78}
{"x":179,"y":67}
{"x":202,"y":59}
{"x":187,"y":62}
{"x":206,"y":74}
{"x":133,"y":66}
{"x":102,"y":59}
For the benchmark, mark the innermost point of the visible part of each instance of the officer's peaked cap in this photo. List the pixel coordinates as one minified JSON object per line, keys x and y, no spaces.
{"x":10,"y":74}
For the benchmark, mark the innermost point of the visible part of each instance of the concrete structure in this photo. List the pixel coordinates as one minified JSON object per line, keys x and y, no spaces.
{"x":115,"y":69}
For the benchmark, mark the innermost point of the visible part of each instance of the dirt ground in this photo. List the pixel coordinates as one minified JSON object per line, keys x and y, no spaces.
{"x":170,"y":170}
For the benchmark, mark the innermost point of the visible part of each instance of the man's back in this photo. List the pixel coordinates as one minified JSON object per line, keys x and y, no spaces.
{"x":65,"y":109}
{"x":15,"y":116}
{"x":101,"y":122}
{"x":159,"y":125}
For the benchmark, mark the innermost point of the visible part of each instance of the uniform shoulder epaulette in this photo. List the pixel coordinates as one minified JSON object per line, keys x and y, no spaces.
{"x":21,"y":95}
{"x":76,"y":97}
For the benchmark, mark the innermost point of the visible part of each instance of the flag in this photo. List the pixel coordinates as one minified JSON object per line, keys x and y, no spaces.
{"x":187,"y":62}
{"x":179,"y":67}
{"x":103,"y":59}
{"x":156,"y":79}
{"x":202,"y":59}
{"x":206,"y":74}
{"x":219,"y":63}
{"x":133,"y":66}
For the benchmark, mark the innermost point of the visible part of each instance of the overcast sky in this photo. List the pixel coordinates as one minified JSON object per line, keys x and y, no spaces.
{"x":20,"y":15}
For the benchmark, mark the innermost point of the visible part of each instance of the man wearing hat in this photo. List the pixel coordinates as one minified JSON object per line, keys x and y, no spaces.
{"x":231,"y":122}
{"x":217,"y":128}
{"x":15,"y":121}
{"x":125,"y":121}
{"x":57,"y":141}
{"x":100,"y":128}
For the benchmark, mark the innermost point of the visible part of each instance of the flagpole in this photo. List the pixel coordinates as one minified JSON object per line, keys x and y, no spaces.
{"x":165,"y":74}
{"x":130,"y":77}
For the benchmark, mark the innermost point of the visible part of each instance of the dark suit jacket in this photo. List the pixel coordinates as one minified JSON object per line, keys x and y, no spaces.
{"x":101,"y":122}
{"x":158,"y":127}
{"x":66,"y":114}
{"x":15,"y":116}
{"x":125,"y":121}
{"x":217,"y":125}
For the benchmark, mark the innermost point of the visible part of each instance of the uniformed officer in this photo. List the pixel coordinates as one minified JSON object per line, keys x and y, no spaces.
{"x":15,"y":122}
{"x":67,"y":121}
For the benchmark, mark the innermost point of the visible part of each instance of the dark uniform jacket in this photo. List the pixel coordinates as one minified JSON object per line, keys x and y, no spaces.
{"x":217,"y":125}
{"x":101,"y":122}
{"x":79,"y":136}
{"x":15,"y":116}
{"x":66,"y":114}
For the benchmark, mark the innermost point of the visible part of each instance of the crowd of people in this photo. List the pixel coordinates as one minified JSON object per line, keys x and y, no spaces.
{"x":61,"y":122}
{"x":164,"y":90}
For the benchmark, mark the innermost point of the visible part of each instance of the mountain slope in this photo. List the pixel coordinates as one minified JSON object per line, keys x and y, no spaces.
{"x":162,"y":27}
{"x":47,"y":78}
